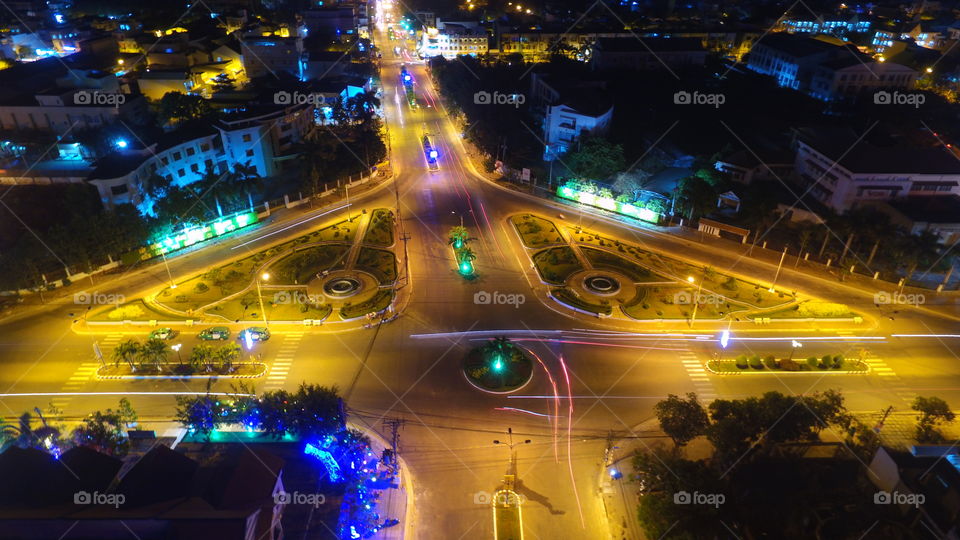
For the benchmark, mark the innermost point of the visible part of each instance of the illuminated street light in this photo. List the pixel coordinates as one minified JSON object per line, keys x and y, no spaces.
{"x":696,"y":299}
{"x":265,"y":277}
{"x":794,"y":345}
{"x":177,"y":348}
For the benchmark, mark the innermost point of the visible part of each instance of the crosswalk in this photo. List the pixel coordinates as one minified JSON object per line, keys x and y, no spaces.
{"x":280,"y":368}
{"x":881,"y":369}
{"x":698,"y":375}
{"x":85,"y":372}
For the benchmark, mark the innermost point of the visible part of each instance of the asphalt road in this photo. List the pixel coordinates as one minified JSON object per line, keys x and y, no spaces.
{"x":589,"y":381}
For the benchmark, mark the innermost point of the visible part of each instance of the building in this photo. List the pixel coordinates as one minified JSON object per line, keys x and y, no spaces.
{"x":645,"y":54}
{"x":822,"y":25}
{"x":61,"y":110}
{"x":919,"y":214}
{"x":847,"y":77}
{"x":841,"y":170}
{"x":331,"y":21}
{"x":758,"y":165}
{"x":568,"y":111}
{"x":452,"y":39}
{"x":932,"y":472}
{"x":163,"y":494}
{"x":790,"y":59}
{"x":269,"y":55}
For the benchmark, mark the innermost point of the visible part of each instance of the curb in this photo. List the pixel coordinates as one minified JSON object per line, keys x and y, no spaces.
{"x":169,"y":377}
{"x":768,"y":371}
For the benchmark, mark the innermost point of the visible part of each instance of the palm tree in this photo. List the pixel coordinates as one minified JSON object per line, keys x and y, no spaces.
{"x":201,"y":355}
{"x":459,"y":236}
{"x":126,"y":351}
{"x":227,"y":355}
{"x":155,"y":351}
{"x":466,"y":254}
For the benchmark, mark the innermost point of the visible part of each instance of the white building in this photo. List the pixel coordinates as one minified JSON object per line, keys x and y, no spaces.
{"x":568,"y":112}
{"x":452,"y":39}
{"x":850,"y":77}
{"x":842,"y":171}
{"x":69,"y":110}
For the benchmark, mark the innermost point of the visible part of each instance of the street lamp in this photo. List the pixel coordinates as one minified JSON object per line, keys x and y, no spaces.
{"x":773,"y":285}
{"x":696,"y":299}
{"x":163,"y":255}
{"x":177,"y":348}
{"x":794,"y":345}
{"x":510,"y":444}
{"x":265,"y":276}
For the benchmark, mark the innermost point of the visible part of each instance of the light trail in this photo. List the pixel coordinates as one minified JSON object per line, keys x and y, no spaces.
{"x":301,"y":222}
{"x":598,"y":344}
{"x":42,"y":394}
{"x":573,"y":480}
{"x":927,"y":335}
{"x":556,"y":407}
{"x":524,"y":411}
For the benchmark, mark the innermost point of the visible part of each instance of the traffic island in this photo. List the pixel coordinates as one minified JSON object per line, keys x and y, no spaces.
{"x":498,"y":366}
{"x":827,"y":364}
{"x":250,"y":370}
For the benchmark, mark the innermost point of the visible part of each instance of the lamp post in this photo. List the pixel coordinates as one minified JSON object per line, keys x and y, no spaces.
{"x":510,"y":444}
{"x":777,"y":275}
{"x":177,"y":348}
{"x":696,"y":299}
{"x":265,"y":276}
{"x":794,"y":345}
{"x":163,"y":255}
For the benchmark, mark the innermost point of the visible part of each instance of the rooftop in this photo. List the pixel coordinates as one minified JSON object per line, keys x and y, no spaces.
{"x":882,"y":153}
{"x":648,"y":44}
{"x":926,"y":209}
{"x":796,"y":45}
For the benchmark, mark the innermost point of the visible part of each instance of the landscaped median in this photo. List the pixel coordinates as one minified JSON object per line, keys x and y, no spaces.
{"x":834,"y":364}
{"x":570,"y":299}
{"x":242,"y":370}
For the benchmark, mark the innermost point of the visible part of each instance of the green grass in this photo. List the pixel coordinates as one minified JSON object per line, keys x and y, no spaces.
{"x":555,"y":265}
{"x":811,"y":309}
{"x":675,"y":302}
{"x":300,"y":267}
{"x":294,"y":307}
{"x":136,"y":310}
{"x":381,"y":263}
{"x":535,"y":231}
{"x":568,"y":297}
{"x":380,"y":230}
{"x":608,"y":261}
{"x":378,"y":302}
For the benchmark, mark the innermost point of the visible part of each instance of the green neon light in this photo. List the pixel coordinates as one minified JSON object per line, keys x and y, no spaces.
{"x":194,"y":235}
{"x":590,"y":199}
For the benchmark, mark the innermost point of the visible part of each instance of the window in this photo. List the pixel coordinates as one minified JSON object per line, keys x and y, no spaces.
{"x":195,"y":168}
{"x":191,"y":151}
{"x":208,"y":164}
{"x":181,"y":173}
{"x":164,"y":160}
{"x":168,"y":178}
{"x":119,"y":190}
{"x":247,"y":137}
{"x":204,"y":147}
{"x":250,"y":153}
{"x":177,"y":156}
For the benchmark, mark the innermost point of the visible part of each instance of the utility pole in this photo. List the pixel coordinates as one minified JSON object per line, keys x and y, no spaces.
{"x":394,"y":424}
{"x":513,"y":454}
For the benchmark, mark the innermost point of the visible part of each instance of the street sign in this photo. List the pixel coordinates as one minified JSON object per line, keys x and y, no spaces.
{"x":525,"y":174}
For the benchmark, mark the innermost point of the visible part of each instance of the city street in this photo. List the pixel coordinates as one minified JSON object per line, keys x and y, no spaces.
{"x":595,"y":381}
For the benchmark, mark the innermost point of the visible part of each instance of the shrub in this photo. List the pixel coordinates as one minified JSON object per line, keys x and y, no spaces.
{"x":201,"y":288}
{"x":787,"y":364}
{"x":837,"y":361}
{"x":771,"y":362}
{"x":755,"y":362}
{"x":741,"y":361}
{"x":181,"y":299}
{"x":812,"y":362}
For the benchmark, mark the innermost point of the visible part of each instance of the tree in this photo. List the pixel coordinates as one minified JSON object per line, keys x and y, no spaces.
{"x":459,"y":236}
{"x":595,"y":159}
{"x":200,"y":414}
{"x":155,"y":352}
{"x":126,"y":351}
{"x":227,"y":355}
{"x":22,"y":434}
{"x":696,"y":196}
{"x":631,"y":183}
{"x":176,"y":107}
{"x":680,"y":419}
{"x":933,"y":413}
{"x":103,"y":432}
{"x":202,"y":355}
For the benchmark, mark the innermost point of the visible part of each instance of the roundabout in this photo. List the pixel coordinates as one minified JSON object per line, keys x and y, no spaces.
{"x":342,"y":287}
{"x":602,"y":284}
{"x":498,"y":367}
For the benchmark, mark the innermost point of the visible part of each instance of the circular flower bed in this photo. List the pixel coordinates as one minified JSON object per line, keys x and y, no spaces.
{"x":498,"y":366}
